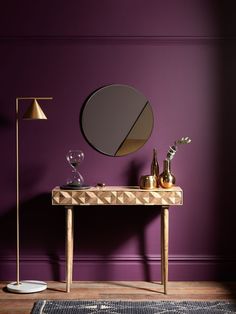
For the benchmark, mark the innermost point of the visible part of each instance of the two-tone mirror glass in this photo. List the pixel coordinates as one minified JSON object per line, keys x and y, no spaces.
{"x":117,"y":120}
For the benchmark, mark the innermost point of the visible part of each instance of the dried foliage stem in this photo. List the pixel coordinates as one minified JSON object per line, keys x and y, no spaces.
{"x":173,"y":149}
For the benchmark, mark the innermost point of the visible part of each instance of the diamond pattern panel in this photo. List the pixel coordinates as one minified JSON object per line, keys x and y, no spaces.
{"x":118,"y":196}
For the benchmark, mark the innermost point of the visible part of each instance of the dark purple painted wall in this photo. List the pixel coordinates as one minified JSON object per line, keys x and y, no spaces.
{"x":181,"y":55}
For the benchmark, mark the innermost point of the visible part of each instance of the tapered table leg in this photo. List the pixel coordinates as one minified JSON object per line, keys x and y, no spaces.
{"x":165,"y":240}
{"x":69,"y":246}
{"x":162,"y":248}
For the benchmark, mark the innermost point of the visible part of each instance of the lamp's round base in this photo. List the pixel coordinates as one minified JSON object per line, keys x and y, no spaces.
{"x":27,"y":286}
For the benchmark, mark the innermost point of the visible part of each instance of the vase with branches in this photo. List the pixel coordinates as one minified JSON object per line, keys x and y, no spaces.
{"x":167,"y":179}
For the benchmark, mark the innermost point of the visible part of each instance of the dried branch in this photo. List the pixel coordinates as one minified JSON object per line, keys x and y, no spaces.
{"x":173,"y":149}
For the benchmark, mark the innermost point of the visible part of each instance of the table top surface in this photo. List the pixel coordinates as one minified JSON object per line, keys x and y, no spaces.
{"x":119,"y":188}
{"x":118,"y":195}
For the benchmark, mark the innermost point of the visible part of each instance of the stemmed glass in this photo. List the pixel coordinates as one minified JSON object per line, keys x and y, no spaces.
{"x":74,"y":158}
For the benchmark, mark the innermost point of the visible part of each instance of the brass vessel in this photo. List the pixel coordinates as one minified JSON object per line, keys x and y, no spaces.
{"x":166,"y":179}
{"x":148,"y":182}
{"x":155,"y":166}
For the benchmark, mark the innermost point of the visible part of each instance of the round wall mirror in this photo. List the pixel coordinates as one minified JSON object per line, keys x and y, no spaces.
{"x":117,"y":120}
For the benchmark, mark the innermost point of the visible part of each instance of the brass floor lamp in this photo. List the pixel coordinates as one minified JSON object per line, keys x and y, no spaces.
{"x":34,"y":112}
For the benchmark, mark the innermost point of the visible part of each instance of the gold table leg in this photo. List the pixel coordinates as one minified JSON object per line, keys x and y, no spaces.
{"x":69,"y":246}
{"x":164,"y":245}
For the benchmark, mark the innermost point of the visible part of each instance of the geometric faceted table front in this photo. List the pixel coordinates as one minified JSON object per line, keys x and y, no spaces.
{"x":118,"y":195}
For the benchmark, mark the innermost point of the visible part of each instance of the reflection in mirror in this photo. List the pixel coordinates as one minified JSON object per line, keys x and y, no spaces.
{"x":117,"y":120}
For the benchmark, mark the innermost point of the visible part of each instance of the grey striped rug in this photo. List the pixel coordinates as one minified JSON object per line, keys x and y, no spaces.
{"x":132,"y":307}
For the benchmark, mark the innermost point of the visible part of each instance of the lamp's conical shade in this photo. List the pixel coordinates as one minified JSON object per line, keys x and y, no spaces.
{"x":34,"y":112}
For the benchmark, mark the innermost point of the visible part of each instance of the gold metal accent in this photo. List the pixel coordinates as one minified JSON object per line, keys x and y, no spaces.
{"x":154,"y":164}
{"x":36,"y":114}
{"x":148,"y":182}
{"x":166,"y":179}
{"x":129,"y":146}
{"x":139,"y":132}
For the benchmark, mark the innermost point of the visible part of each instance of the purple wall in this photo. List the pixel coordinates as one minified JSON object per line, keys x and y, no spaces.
{"x":181,"y":56}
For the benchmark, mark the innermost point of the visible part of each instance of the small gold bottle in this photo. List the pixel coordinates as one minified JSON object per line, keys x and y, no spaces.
{"x":154,"y":165}
{"x":166,"y":179}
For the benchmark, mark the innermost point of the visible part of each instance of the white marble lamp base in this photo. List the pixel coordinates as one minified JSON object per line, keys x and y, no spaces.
{"x":27,"y":286}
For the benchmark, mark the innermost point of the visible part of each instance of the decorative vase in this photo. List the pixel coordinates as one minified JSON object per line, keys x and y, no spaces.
{"x":148,"y":182}
{"x":154,"y":164}
{"x":166,"y":179}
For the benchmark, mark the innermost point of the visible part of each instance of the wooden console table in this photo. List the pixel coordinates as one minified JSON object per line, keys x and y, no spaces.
{"x":117,"y":195}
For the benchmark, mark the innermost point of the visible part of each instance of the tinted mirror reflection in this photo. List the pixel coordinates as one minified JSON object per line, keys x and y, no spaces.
{"x":117,"y":120}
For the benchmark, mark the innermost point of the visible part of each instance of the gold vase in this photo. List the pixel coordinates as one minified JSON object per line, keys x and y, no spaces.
{"x":166,"y":179}
{"x":148,"y":182}
{"x":154,"y":164}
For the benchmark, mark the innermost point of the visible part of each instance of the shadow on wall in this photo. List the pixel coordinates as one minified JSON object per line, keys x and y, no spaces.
{"x":101,"y":231}
{"x":4,"y":122}
{"x":41,"y":233}
{"x":133,"y":172}
{"x":42,"y":237}
{"x":227,"y":140}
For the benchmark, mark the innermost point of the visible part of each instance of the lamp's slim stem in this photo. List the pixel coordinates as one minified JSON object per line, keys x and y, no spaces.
{"x":17,"y":198}
{"x":25,"y":286}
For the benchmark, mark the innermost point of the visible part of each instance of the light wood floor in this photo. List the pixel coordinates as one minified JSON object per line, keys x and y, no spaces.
{"x":120,"y":290}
